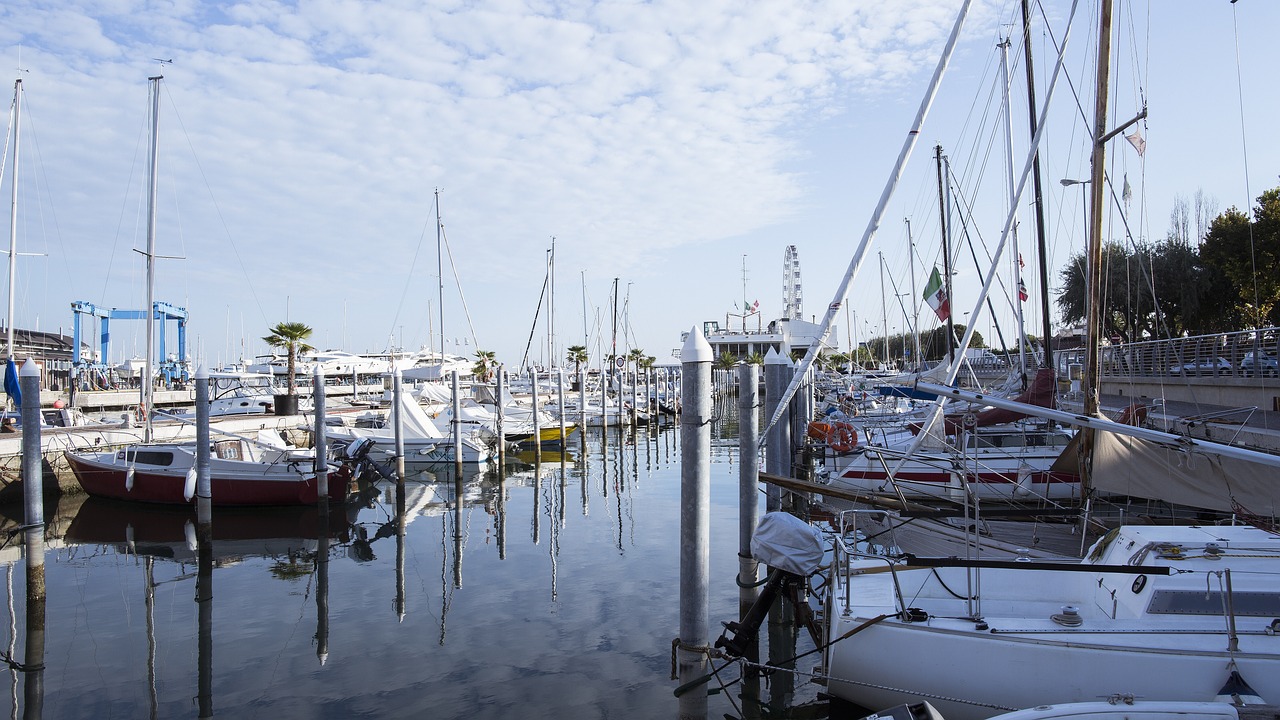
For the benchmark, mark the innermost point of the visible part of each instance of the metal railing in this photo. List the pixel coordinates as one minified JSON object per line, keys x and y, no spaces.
{"x":1245,"y":353}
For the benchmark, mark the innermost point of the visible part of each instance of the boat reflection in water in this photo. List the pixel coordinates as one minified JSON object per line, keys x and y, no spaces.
{"x":488,"y":593}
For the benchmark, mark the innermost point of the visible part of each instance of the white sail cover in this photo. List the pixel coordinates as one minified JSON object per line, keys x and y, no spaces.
{"x":1135,"y":467}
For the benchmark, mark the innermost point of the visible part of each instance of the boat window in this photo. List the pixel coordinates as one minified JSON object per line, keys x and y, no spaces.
{"x":1199,"y":602}
{"x":151,"y":457}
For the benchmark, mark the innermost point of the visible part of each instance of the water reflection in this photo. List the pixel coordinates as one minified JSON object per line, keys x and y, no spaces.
{"x":510,"y":596}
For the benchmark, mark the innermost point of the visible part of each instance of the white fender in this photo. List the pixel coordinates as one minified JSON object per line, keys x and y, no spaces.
{"x":189,"y":489}
{"x":128,"y":479}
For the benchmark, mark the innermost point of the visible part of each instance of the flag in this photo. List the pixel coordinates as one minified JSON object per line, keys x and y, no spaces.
{"x":1022,"y":291}
{"x":1137,"y":142}
{"x":746,"y":307}
{"x":936,"y":295}
{"x":755,"y":307}
{"x":1127,"y":193}
{"x":11,"y":386}
{"x":1020,"y":263}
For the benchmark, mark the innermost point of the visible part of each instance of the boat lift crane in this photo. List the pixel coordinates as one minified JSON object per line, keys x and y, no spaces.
{"x":170,"y":370}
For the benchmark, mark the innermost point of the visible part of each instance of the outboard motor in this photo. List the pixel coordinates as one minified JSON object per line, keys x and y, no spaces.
{"x":793,"y":549}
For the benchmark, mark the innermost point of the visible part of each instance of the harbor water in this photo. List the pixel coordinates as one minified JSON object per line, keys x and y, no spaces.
{"x":539,"y":591}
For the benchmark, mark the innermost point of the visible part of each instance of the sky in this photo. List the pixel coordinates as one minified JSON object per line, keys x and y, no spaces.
{"x":676,"y":148}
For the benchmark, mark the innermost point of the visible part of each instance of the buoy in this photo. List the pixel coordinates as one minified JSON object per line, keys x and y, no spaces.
{"x":1023,"y":486}
{"x":1237,"y":692}
{"x":842,"y":437}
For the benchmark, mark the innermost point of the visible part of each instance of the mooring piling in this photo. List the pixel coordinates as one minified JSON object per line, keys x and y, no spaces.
{"x":695,"y":518}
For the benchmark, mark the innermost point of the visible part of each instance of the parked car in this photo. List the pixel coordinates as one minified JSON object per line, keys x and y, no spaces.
{"x":1203,"y":366}
{"x":1259,"y":364}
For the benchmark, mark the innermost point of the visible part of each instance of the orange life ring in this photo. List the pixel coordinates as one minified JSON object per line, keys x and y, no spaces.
{"x":842,"y":437}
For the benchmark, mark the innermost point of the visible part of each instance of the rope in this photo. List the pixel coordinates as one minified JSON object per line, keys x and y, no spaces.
{"x":708,"y":651}
{"x":15,"y":665}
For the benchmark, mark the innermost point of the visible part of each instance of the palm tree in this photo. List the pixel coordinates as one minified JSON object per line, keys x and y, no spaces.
{"x":486,"y":361}
{"x":726,"y":361}
{"x":292,"y":337}
{"x":755,"y":358}
{"x":578,"y":356}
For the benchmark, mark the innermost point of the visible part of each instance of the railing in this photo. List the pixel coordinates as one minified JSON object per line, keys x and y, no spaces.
{"x":1246,"y":353}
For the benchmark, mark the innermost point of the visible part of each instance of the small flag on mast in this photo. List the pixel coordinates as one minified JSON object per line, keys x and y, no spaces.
{"x":935,"y":293}
{"x":1022,"y":291}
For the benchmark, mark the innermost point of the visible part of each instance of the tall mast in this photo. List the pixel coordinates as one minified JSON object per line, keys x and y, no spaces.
{"x":1093,"y":256}
{"x":148,"y":362}
{"x":915,"y":299}
{"x":1013,"y":233}
{"x":13,"y":214}
{"x":551,"y":309}
{"x":946,"y":256}
{"x":440,"y":276}
{"x":1042,"y":248}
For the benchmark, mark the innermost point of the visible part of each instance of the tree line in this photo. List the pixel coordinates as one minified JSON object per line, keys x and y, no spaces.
{"x":1205,"y":276}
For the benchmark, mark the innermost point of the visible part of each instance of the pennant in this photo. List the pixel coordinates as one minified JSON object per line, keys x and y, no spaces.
{"x":1022,"y":291}
{"x":936,"y":295}
{"x":1020,"y":263}
{"x":1127,"y":193}
{"x":1137,"y":142}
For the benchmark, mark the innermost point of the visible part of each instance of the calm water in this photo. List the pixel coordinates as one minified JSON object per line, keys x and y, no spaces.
{"x":537,"y":595}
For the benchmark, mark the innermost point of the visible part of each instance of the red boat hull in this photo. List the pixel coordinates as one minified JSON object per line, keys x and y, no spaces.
{"x":168,"y":488}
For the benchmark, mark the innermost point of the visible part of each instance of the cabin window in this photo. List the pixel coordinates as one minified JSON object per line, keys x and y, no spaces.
{"x":228,"y":450}
{"x":1199,"y":602}
{"x":150,"y":457}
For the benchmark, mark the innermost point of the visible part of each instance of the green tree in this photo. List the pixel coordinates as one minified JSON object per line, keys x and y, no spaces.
{"x":292,"y":337}
{"x":578,"y":356}
{"x":1248,"y":256}
{"x":486,"y":362}
{"x":725,"y":361}
{"x":756,"y":358}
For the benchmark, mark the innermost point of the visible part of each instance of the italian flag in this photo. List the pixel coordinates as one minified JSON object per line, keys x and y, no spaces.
{"x":936,"y":295}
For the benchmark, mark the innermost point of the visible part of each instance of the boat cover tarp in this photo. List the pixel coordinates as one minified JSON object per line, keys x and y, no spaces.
{"x":1130,"y":466}
{"x":1040,"y":392}
{"x":415,"y":422}
{"x":786,"y":542}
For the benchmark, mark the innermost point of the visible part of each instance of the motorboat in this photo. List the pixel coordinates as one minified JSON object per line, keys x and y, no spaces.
{"x":243,"y":472}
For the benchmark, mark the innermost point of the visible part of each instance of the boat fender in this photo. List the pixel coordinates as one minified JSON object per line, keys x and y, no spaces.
{"x":842,"y":437}
{"x":1023,"y":486}
{"x":189,"y":487}
{"x":189,"y":535}
{"x":128,"y":479}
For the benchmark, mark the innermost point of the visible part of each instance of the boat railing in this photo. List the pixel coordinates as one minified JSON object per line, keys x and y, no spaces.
{"x":844,"y":554}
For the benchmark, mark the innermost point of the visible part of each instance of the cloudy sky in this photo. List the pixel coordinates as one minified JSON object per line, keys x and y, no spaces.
{"x":665,"y":144}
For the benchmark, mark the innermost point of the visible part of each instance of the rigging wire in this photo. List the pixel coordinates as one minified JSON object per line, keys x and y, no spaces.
{"x":1244,"y":158}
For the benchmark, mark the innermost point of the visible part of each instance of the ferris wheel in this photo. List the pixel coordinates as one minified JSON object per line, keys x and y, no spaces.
{"x":792,"y":296}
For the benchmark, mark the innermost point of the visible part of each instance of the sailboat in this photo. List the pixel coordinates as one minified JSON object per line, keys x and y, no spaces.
{"x":1185,"y":613}
{"x":243,"y":470}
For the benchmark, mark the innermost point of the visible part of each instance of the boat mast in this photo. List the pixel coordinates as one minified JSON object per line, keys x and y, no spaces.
{"x":440,"y":276}
{"x":946,"y":257}
{"x":1093,"y":255}
{"x":1046,"y":341}
{"x":146,"y":384}
{"x":551,"y":308}
{"x":1013,"y":233}
{"x":915,"y":299}
{"x":13,"y":214}
{"x":884,"y":311}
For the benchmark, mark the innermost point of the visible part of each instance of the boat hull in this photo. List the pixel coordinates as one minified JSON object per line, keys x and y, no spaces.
{"x":109,"y":479}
